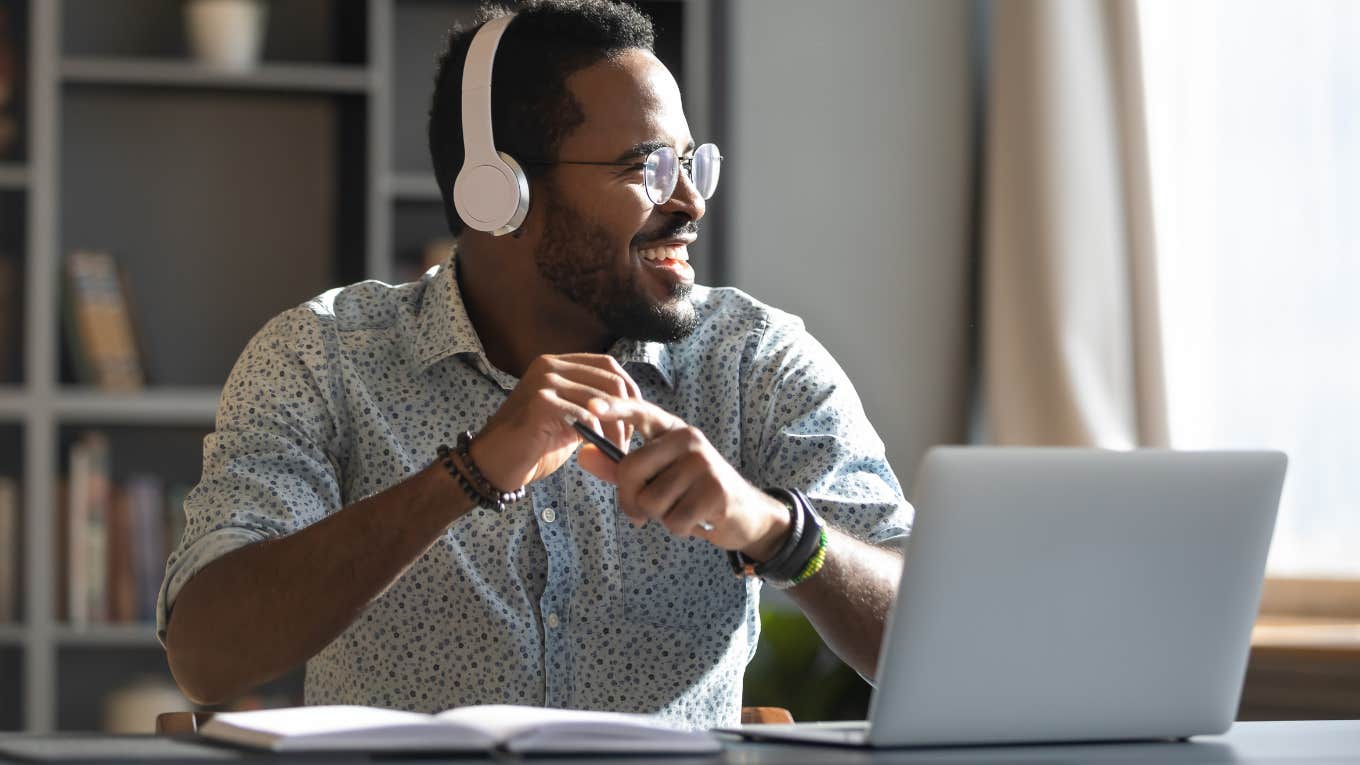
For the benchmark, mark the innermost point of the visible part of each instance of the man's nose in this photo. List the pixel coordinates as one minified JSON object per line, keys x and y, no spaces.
{"x":686,"y":198}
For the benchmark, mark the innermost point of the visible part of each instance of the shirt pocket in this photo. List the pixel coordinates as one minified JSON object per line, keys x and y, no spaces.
{"x":677,"y":581}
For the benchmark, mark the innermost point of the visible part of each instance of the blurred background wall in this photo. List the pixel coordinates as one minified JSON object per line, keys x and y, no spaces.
{"x":851,"y":201}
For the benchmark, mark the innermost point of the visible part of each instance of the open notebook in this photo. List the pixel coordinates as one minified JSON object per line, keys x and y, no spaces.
{"x":475,"y":729}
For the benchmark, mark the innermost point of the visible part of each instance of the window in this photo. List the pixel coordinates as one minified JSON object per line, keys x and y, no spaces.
{"x":1254,"y":130}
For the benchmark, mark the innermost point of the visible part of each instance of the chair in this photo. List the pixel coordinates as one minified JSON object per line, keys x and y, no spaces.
{"x":182,"y":723}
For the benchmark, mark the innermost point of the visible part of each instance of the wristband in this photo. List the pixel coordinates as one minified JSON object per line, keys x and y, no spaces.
{"x":744,"y":566}
{"x":803,"y":552}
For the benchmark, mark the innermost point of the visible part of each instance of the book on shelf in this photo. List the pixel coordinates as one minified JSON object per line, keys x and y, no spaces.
{"x":11,"y":292}
{"x":102,"y":342}
{"x":146,"y":544}
{"x":115,"y":537}
{"x":514,"y":729}
{"x":89,"y":498}
{"x":9,"y":550}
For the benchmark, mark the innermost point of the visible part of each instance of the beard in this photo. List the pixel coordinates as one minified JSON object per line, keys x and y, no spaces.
{"x":577,"y":258}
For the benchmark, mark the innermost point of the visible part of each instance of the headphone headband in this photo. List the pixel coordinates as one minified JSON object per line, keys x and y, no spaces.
{"x":491,"y":192}
{"x":478,"y":139}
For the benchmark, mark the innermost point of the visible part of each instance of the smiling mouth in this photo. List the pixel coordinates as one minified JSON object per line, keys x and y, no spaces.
{"x":676,"y":251}
{"x":671,"y":258}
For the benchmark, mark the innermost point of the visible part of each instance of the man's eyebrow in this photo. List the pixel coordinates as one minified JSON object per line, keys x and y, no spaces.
{"x":647,"y":147}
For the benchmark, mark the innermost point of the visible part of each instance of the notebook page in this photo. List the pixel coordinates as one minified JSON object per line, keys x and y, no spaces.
{"x":332,"y":728}
{"x":526,"y":729}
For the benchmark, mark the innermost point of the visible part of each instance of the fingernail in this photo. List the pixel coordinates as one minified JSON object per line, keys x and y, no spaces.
{"x":571,"y":421}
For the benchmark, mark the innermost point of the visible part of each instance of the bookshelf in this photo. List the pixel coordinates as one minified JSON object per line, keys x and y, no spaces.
{"x":226,"y":198}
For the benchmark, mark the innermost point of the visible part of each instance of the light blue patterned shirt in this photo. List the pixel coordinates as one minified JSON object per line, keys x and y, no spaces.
{"x":559,"y":601}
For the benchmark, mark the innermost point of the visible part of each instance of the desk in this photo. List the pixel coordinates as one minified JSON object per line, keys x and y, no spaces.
{"x":1303,"y":668}
{"x":1253,"y":743}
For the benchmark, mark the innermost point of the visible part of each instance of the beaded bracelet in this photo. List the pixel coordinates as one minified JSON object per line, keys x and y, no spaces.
{"x":458,"y":462}
{"x":815,"y":563}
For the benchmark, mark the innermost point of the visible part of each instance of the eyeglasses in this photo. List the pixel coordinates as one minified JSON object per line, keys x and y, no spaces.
{"x":661,"y":171}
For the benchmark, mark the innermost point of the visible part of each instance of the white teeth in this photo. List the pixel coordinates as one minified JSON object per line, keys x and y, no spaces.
{"x":672,"y":252}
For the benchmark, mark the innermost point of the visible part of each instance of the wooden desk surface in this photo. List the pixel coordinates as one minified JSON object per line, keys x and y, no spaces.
{"x":1318,"y":637}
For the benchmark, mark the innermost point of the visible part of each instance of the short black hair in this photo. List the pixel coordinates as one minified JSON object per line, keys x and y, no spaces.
{"x":531,"y":109}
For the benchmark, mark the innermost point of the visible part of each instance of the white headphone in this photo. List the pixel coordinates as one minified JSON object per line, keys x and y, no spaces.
{"x":491,"y":192}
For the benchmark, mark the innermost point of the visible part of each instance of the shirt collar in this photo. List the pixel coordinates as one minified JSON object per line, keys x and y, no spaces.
{"x":444,"y":329}
{"x":656,"y":356}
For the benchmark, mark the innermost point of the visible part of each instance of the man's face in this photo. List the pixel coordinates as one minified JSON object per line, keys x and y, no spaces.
{"x":604,"y":244}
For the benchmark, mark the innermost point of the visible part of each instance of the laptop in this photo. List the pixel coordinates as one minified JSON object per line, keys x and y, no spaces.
{"x":1058,"y":595}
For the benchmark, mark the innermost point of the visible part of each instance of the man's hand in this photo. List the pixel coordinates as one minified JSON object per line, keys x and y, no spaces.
{"x":529,"y":437}
{"x":679,"y":480}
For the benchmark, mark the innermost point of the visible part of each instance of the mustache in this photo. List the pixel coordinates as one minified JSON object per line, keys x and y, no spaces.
{"x":682,"y":228}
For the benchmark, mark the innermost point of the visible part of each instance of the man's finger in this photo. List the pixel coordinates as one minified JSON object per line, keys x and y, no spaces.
{"x":606,"y":365}
{"x":649,"y":419}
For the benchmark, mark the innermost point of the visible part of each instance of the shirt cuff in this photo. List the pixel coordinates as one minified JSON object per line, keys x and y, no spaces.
{"x":203,"y":551}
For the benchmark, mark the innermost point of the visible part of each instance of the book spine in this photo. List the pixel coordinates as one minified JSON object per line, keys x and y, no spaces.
{"x":10,"y":278}
{"x":122,"y":589}
{"x":102,"y":322}
{"x":97,"y":529}
{"x":9,"y":549}
{"x":146,"y":497}
{"x":77,"y":501}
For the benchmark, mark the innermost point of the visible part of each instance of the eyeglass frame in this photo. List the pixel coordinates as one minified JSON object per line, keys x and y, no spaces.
{"x":687,"y":163}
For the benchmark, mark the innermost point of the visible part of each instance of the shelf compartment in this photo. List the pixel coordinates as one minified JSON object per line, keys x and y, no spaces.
{"x":88,"y":676}
{"x":13,"y":290}
{"x":108,"y":559}
{"x":312,"y":31}
{"x":13,"y":176}
{"x":14,"y":554}
{"x":187,"y":406}
{"x":171,"y":73}
{"x":11,"y":690}
{"x":12,"y":635}
{"x":421,"y":32}
{"x":221,"y":213}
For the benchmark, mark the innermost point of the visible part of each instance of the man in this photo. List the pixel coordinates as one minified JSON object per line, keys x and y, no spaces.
{"x":327,"y":531}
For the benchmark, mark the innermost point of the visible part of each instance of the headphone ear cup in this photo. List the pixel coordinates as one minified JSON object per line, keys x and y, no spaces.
{"x":492,"y":195}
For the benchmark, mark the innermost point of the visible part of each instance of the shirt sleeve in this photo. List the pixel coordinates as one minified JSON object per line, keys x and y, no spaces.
{"x":813,"y":435}
{"x":267,"y":468}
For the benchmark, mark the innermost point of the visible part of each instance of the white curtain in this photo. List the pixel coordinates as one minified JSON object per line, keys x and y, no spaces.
{"x":1070,"y":336}
{"x":1254,"y":109}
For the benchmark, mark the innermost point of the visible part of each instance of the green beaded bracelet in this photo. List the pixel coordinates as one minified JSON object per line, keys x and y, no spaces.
{"x":814,"y":563}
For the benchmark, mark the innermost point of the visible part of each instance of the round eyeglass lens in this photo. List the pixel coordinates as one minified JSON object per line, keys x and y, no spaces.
{"x":707,"y":168}
{"x":659,"y":174}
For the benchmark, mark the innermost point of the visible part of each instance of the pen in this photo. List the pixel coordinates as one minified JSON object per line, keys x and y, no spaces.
{"x":610,"y":450}
{"x":613,"y":452}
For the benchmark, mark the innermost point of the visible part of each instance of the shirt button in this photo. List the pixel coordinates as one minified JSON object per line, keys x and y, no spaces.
{"x":549,"y":515}
{"x":553,"y":621}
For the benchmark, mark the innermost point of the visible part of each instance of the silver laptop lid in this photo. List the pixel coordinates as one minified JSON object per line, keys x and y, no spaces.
{"x":1063,"y":594}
